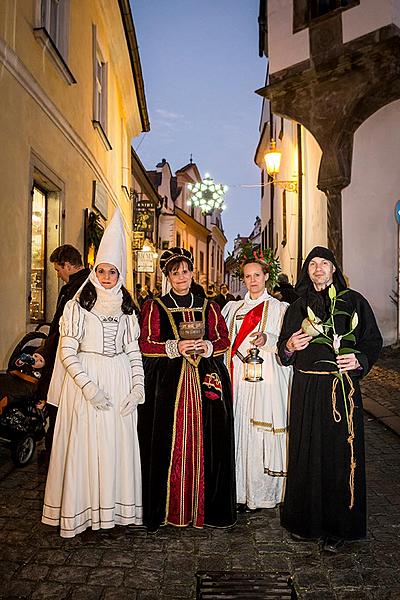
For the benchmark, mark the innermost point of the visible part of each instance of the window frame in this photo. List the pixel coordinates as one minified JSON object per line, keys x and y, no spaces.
{"x":302,"y":13}
{"x":100,"y":100}
{"x":57,"y":49}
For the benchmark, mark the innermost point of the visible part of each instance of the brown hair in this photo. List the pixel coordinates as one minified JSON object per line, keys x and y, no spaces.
{"x":66,"y":253}
{"x":174,"y":264}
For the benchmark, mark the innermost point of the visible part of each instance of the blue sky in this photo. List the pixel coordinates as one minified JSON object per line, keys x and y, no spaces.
{"x":201,"y":66}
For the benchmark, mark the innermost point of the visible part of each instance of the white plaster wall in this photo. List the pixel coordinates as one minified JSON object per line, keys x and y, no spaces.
{"x":368,"y":16}
{"x":314,"y":201}
{"x":284,"y":47}
{"x":289,"y":170}
{"x":369,"y":226}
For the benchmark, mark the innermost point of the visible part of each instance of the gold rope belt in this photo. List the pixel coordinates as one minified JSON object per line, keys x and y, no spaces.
{"x":338,"y":417}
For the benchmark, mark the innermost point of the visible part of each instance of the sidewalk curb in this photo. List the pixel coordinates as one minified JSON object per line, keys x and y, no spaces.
{"x":382,"y":414}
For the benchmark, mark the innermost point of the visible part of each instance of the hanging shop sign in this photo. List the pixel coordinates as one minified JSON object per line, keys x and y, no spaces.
{"x":144,"y":262}
{"x":137,"y":240}
{"x":144,"y":217}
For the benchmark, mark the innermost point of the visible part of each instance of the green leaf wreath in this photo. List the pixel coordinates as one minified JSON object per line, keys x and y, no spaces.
{"x":250,"y":253}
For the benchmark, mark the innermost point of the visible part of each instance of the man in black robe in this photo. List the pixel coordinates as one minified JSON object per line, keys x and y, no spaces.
{"x":325,"y":492}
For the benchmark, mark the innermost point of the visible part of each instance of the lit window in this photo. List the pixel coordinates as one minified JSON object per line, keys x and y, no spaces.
{"x":38,"y":257}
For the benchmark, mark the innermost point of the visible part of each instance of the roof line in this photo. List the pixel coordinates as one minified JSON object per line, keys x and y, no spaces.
{"x":130,"y":34}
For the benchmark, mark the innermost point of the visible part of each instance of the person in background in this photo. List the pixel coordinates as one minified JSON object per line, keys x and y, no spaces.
{"x":325,"y":495}
{"x":186,"y":425}
{"x":94,"y":477}
{"x":67,"y":262}
{"x":224,"y":296}
{"x":284,"y":290}
{"x":211,"y":294}
{"x":197,"y":289}
{"x":260,"y":408}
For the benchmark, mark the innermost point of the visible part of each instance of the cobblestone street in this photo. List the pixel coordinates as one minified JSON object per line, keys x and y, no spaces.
{"x":130,"y":563}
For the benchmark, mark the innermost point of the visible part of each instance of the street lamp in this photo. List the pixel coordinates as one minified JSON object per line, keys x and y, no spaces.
{"x":273,"y":161}
{"x":207,"y":195}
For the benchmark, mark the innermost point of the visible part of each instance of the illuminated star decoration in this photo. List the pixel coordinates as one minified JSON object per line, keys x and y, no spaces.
{"x":207,"y":195}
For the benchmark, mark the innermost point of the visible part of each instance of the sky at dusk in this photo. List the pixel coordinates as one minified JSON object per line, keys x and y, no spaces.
{"x":200,"y":67}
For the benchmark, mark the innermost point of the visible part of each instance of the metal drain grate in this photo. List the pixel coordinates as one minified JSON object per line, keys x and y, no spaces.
{"x":242,"y":585}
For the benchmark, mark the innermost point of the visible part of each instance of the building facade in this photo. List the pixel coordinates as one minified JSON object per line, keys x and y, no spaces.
{"x":184,"y":225}
{"x":233,"y":281}
{"x":332,"y":104}
{"x":72,"y":99}
{"x":146,"y":210}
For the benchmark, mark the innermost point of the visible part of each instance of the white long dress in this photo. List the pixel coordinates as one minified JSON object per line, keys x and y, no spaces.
{"x":94,"y":477}
{"x":260,"y":409}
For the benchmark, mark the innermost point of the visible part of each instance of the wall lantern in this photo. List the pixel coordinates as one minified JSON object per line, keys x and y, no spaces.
{"x":273,"y":161}
{"x":207,"y":195}
{"x":253,"y":366}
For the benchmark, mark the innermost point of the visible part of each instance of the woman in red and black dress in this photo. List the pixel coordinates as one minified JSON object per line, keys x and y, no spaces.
{"x":186,"y":425}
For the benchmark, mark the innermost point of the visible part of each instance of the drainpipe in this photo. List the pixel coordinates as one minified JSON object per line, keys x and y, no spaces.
{"x":299,"y":202}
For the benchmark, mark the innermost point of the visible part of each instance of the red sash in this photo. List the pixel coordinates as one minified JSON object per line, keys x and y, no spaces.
{"x":249,"y":323}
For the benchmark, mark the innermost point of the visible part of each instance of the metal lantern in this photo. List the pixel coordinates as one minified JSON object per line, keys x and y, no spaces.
{"x":253,"y":366}
{"x":273,"y":160}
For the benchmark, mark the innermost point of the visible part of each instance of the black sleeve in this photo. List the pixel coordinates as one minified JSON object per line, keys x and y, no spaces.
{"x":291,"y":323}
{"x":369,"y":339}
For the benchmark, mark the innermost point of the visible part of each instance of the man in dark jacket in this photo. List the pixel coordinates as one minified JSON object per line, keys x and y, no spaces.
{"x":284,"y":290}
{"x":325,"y":492}
{"x":67,"y":262}
{"x":224,"y":296}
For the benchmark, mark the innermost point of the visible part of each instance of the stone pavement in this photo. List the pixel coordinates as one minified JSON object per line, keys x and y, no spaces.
{"x":381,"y":389}
{"x":129,"y":563}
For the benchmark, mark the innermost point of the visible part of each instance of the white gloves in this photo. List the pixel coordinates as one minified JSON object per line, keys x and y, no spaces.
{"x":101,"y":401}
{"x":130,"y":402}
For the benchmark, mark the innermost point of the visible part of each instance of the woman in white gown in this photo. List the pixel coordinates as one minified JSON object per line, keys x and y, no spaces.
{"x":260,"y":408}
{"x":94,"y":477}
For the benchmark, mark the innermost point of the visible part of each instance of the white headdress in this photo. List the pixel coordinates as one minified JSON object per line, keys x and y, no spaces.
{"x":112,"y":247}
{"x":112,"y":250}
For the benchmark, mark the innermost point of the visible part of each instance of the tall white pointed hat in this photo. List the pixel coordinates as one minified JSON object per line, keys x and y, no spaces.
{"x":112,"y":247}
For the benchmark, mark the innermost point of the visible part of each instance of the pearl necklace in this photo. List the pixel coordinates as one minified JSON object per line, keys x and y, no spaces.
{"x":174,"y":301}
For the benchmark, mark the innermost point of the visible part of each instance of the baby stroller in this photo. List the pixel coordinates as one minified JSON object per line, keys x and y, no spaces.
{"x":22,"y":424}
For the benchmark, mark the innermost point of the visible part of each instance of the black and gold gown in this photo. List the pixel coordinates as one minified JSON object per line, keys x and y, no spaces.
{"x":185,"y":426}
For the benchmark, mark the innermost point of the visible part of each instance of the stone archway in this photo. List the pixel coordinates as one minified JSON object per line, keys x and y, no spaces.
{"x":331,"y":94}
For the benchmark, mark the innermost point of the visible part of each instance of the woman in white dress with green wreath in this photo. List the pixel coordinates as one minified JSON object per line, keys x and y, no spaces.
{"x":260,"y":408}
{"x":94,"y":477}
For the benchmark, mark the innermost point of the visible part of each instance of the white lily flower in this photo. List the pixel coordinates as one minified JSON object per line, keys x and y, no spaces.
{"x":311,"y":314}
{"x":336,"y":342}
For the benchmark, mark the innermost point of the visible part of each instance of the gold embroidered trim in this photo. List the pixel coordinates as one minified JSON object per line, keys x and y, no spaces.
{"x":268,"y":426}
{"x":171,"y":320}
{"x":231,"y":330}
{"x":264,"y":318}
{"x":178,"y":393}
{"x":275,"y":473}
{"x":190,"y":378}
{"x":217,"y":336}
